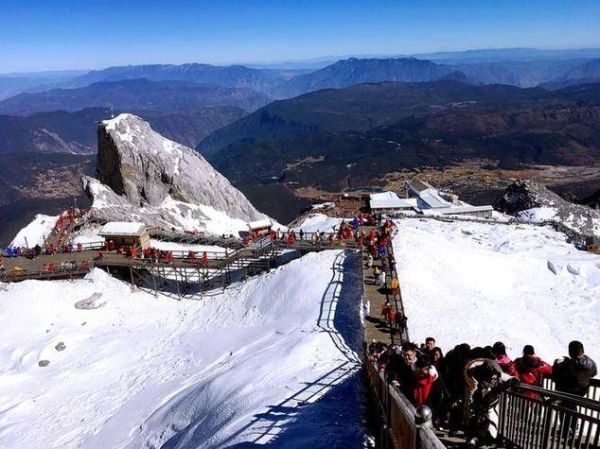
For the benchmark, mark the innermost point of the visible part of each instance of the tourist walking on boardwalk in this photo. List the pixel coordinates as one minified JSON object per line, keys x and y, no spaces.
{"x":395,"y":287}
{"x":400,"y":321}
{"x":382,"y":276}
{"x":376,"y":273}
{"x":572,"y":375}
{"x":385,"y":311}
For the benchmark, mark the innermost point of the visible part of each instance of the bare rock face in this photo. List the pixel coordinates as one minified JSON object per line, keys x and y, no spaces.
{"x":526,"y":195}
{"x":143,"y":169}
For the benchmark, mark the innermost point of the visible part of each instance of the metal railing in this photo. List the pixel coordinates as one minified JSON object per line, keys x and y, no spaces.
{"x":400,"y":429}
{"x":593,"y":391}
{"x":535,"y":418}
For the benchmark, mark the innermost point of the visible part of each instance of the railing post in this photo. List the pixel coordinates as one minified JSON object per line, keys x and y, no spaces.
{"x":423,"y":417}
{"x":547,"y":423}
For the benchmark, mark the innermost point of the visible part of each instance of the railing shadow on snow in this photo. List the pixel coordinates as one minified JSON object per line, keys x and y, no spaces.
{"x":328,"y":411}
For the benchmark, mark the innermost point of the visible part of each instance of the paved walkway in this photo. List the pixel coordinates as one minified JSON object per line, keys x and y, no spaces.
{"x":375,"y":327}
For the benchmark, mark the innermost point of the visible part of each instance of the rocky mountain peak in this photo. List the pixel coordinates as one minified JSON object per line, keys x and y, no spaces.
{"x":144,"y":168}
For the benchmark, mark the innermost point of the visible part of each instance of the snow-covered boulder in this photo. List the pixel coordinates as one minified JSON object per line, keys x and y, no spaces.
{"x":145,"y":177}
{"x":533,"y":202}
{"x":144,"y":167}
{"x":554,"y":267}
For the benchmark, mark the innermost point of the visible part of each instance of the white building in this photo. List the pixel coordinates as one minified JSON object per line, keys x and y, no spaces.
{"x":388,"y":202}
{"x":431,"y":202}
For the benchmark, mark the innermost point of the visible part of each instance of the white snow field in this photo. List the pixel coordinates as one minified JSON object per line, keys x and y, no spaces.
{"x":271,"y":361}
{"x":482,"y":283}
{"x":35,"y":232}
{"x":318,"y":222}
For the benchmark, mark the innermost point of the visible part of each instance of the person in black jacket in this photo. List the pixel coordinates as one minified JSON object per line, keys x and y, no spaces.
{"x":572,"y":375}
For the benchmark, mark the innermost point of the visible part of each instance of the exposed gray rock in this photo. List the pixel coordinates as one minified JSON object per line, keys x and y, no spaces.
{"x":143,"y":168}
{"x":60,"y":346}
{"x":92,"y":302}
{"x":523,"y":195}
{"x":43,"y":363}
{"x":109,"y":206}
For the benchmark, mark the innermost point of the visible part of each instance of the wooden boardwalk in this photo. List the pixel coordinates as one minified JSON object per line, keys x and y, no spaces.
{"x":217,"y":270}
{"x":375,"y":326}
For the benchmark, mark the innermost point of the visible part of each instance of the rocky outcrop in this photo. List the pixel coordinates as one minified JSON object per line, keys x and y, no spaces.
{"x":143,"y":167}
{"x":532,"y":201}
{"x":145,"y":177}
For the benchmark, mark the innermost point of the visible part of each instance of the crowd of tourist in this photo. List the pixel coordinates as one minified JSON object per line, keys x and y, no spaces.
{"x":460,"y":387}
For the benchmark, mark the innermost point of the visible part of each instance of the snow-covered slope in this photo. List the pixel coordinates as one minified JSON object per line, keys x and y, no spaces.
{"x":317,"y":222}
{"x":35,"y":232}
{"x":265,"y":361}
{"x":479,"y":283}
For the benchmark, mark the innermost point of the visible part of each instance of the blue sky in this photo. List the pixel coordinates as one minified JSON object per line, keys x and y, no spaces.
{"x":82,"y":34}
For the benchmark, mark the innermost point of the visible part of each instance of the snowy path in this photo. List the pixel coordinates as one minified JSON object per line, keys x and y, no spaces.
{"x":250,"y":366}
{"x":478,"y":283}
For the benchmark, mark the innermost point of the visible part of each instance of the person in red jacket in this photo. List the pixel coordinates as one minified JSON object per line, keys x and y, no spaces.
{"x":530,"y":369}
{"x":507,"y":365}
{"x":425,"y":376}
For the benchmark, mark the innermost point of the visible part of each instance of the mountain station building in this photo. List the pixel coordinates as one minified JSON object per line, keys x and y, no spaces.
{"x":424,"y":199}
{"x":126,"y":234}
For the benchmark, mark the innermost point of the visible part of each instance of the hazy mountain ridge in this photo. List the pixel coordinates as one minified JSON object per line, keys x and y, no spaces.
{"x":75,"y":132}
{"x":234,"y":76}
{"x":588,"y":72}
{"x":15,"y":83}
{"x":353,"y":71}
{"x":138,"y":94}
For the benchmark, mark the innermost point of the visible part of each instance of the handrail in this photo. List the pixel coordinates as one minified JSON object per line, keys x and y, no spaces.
{"x":399,"y":416}
{"x":593,"y":390}
{"x":531,"y":417}
{"x":559,"y":395}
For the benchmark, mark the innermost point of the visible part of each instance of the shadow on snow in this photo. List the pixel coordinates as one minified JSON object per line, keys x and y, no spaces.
{"x":327,"y":412}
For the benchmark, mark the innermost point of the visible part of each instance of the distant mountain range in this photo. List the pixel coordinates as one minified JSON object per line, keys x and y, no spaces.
{"x":331,"y":140}
{"x":137,"y":94}
{"x":357,"y":71}
{"x":15,"y":83}
{"x":235,"y":76}
{"x":313,"y":121}
{"x":191,"y":86}
{"x":588,"y":72}
{"x":359,"y":108}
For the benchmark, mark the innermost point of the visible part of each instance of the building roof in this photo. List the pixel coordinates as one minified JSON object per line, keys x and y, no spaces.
{"x":390,"y":200}
{"x":260,"y":224}
{"x":122,"y":228}
{"x":432,"y":199}
{"x":417,"y":186}
{"x":457,"y":210}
